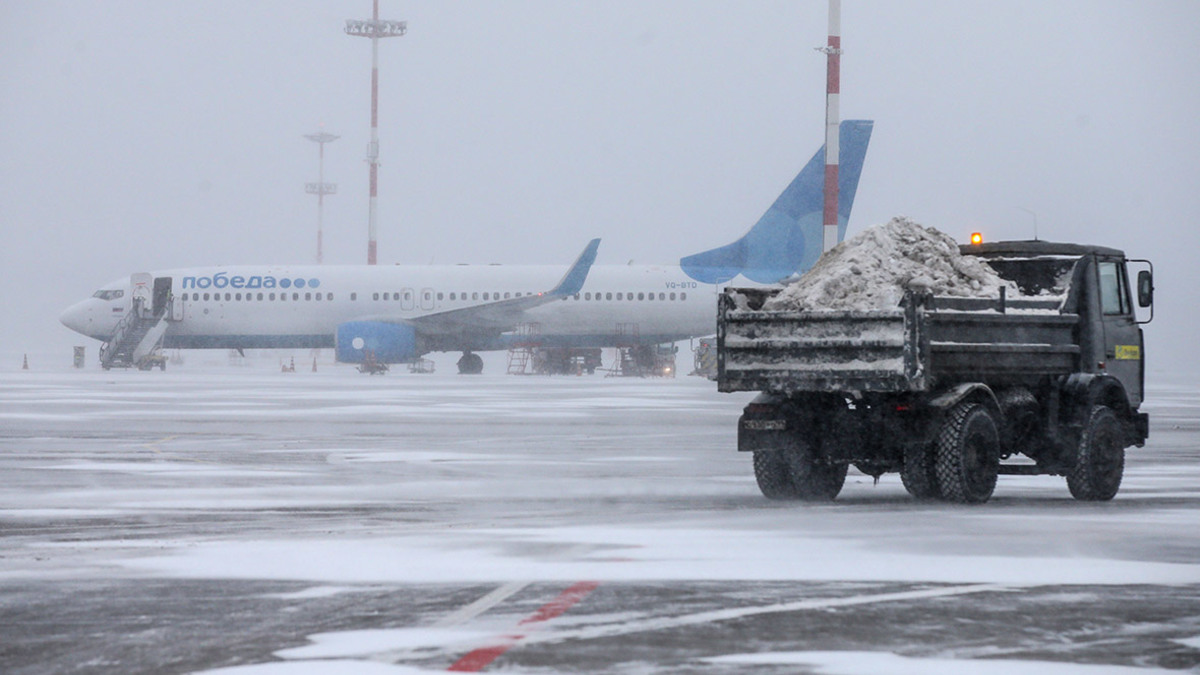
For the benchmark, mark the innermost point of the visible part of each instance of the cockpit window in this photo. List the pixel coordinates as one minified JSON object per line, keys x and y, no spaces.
{"x":109,"y":295}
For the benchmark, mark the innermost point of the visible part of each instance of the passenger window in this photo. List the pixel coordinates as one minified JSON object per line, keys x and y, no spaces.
{"x":206,"y":297}
{"x":507,"y":296}
{"x":485,"y":296}
{"x":475,"y":295}
{"x":1113,"y":299}
{"x":641,"y":296}
{"x":260,"y":296}
{"x":295,"y":296}
{"x":308,"y":296}
{"x":439,"y":296}
{"x":608,"y":296}
{"x":672,"y":296}
{"x":683,"y":296}
{"x":587,"y":296}
{"x":329,"y":296}
{"x":353,"y":297}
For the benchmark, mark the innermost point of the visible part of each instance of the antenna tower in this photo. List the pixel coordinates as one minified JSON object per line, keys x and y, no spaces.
{"x":321,"y":188}
{"x":374,"y":29}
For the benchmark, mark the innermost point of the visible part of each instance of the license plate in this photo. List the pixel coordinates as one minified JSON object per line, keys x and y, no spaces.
{"x":765,"y":425}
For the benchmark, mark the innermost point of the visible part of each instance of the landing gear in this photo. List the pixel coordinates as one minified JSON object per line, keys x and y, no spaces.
{"x":470,"y":364}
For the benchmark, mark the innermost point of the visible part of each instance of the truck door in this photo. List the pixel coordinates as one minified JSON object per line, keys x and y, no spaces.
{"x":1122,"y":335}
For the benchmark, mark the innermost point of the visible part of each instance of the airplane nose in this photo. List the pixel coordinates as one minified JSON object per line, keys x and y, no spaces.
{"x":77,"y":317}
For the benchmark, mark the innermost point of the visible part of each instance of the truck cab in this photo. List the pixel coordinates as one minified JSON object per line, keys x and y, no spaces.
{"x":1094,"y":281}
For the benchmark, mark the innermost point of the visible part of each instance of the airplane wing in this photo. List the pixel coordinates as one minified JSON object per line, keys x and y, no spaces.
{"x":502,"y":315}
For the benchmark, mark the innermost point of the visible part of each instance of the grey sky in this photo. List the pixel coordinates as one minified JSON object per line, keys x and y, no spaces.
{"x":139,"y":136}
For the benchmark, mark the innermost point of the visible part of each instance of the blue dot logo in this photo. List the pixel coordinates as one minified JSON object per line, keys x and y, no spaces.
{"x":299,"y":283}
{"x":313,"y":283}
{"x":285,"y":283}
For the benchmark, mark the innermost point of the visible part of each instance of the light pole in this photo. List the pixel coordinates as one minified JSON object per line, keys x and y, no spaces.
{"x":833,"y":53}
{"x":374,"y":29}
{"x":321,"y":188}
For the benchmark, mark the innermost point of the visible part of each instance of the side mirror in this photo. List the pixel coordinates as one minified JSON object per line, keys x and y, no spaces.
{"x":1145,"y":288}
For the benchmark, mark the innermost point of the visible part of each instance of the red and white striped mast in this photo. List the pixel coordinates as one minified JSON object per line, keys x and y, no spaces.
{"x":321,"y":188}
{"x":833,"y":54}
{"x":374,"y":29}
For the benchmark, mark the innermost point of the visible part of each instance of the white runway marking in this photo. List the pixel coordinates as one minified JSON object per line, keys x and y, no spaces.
{"x":468,"y":612}
{"x":665,"y":623}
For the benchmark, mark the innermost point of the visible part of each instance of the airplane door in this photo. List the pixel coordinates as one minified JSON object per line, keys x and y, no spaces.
{"x":140,"y":285}
{"x":162,"y":295}
{"x":427,"y":298}
{"x":1122,"y":335}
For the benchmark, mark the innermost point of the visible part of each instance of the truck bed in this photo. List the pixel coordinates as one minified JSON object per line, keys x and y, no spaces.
{"x":926,"y":340}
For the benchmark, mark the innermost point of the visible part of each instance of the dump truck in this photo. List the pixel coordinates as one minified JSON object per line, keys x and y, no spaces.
{"x":948,"y":391}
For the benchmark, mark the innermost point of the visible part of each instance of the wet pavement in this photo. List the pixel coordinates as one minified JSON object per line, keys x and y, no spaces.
{"x":327,"y":522}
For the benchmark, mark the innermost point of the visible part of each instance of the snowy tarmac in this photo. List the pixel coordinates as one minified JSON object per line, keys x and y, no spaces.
{"x":236,"y":519}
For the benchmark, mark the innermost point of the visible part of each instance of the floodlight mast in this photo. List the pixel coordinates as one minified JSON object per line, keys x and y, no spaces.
{"x":833,"y":54}
{"x":374,"y":29}
{"x":321,"y":188}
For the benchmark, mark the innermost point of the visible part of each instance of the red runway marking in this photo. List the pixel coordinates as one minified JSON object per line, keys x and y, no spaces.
{"x":479,"y":659}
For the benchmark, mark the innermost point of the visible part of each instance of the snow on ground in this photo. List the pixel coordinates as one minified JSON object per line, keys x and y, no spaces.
{"x":884,"y":663}
{"x":872,"y":271}
{"x":322,"y":667}
{"x":349,"y":483}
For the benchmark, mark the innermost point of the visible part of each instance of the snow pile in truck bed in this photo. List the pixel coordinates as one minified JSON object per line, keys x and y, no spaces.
{"x":872,"y":271}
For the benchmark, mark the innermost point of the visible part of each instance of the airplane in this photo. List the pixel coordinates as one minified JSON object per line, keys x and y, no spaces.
{"x":396,"y":314}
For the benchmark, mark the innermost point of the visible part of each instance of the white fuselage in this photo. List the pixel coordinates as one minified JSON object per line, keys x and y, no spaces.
{"x":258,"y":306}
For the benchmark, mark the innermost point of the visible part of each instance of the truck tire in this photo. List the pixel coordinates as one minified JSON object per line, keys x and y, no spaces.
{"x":1099,"y":457}
{"x":773,"y":475}
{"x":817,"y":481}
{"x":968,"y":454}
{"x":794,"y":474}
{"x":918,"y":472}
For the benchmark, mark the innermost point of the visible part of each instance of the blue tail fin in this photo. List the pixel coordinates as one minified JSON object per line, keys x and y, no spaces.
{"x":788,"y":238}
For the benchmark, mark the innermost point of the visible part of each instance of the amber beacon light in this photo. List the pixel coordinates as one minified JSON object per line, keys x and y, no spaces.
{"x":976,"y":238}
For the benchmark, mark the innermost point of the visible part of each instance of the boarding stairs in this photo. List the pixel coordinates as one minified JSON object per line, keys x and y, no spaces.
{"x":136,"y":340}
{"x":522,"y":352}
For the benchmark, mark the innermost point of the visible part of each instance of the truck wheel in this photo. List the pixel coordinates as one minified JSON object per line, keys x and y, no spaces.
{"x":773,"y":475}
{"x":968,"y":454}
{"x":1099,"y":458}
{"x":792,"y":474}
{"x":817,"y":482}
{"x":918,"y":473}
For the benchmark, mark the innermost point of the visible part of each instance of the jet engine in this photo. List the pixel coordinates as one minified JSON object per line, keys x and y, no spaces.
{"x":382,"y":342}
